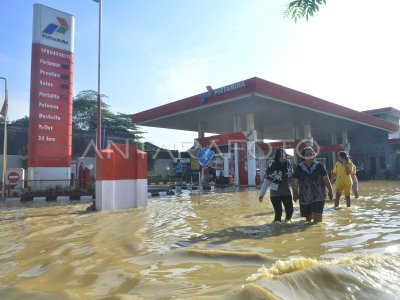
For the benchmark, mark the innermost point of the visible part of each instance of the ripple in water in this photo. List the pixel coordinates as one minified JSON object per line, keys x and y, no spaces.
{"x":188,"y":246}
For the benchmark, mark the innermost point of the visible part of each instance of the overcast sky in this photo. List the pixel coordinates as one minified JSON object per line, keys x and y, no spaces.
{"x":159,"y":51}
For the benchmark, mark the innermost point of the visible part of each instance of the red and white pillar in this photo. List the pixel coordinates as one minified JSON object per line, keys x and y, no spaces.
{"x":121,"y":178}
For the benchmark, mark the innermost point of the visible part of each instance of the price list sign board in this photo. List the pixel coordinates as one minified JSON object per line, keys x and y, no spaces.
{"x":50,"y":121}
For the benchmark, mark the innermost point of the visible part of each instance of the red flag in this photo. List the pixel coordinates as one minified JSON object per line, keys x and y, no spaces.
{"x":4,"y":109}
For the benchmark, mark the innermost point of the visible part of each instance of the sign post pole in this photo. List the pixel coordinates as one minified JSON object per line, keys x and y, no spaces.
{"x":5,"y":138}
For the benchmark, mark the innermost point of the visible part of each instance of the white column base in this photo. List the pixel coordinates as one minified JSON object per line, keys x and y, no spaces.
{"x":120,"y":194}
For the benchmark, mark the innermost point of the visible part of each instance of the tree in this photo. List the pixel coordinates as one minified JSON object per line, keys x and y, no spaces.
{"x":299,"y":9}
{"x":23,"y":122}
{"x":23,"y":156}
{"x":85,"y":110}
{"x":84,"y":117}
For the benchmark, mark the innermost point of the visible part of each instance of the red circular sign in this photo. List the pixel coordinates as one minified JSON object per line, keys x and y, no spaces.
{"x":13,"y":177}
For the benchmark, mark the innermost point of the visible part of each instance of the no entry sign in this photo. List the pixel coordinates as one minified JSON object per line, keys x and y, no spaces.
{"x":13,"y":177}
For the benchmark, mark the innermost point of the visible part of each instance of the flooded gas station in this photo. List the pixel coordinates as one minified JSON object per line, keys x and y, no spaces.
{"x":219,"y":243}
{"x":215,"y":245}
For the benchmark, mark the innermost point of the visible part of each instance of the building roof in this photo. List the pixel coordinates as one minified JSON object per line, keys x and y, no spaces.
{"x":385,"y":110}
{"x":382,"y":110}
{"x":394,"y":141}
{"x":277,"y":109}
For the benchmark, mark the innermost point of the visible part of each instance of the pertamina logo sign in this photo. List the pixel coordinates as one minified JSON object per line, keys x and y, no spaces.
{"x":210,"y":92}
{"x":55,"y":32}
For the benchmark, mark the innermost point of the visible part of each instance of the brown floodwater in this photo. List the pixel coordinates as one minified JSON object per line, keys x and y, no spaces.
{"x":219,"y":245}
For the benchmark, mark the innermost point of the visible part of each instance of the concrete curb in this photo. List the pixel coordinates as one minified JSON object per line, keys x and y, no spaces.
{"x":85,"y":198}
{"x":160,"y":194}
{"x":165,"y":183}
{"x":90,"y":198}
{"x":81,"y":198}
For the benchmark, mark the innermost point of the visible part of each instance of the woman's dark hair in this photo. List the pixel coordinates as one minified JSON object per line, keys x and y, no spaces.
{"x":303,"y":152}
{"x":279,"y":153}
{"x":343,"y":154}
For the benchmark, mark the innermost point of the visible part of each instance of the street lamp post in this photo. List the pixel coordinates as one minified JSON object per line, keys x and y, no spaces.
{"x":5,"y":138}
{"x":98,"y":138}
{"x":98,"y":135}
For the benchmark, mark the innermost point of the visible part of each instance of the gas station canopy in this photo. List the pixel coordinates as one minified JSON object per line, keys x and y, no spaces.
{"x":276,"y":110}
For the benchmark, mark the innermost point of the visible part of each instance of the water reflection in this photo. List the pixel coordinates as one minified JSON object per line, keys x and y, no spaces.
{"x":193,"y":245}
{"x":231,"y":234}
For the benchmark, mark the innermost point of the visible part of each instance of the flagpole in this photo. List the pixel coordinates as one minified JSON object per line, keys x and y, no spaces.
{"x":5,"y":139}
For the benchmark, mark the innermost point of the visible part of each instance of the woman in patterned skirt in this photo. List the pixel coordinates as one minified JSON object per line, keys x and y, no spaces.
{"x":310,"y":183}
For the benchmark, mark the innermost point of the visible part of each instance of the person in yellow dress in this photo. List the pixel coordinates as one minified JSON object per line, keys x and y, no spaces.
{"x":342,"y":172}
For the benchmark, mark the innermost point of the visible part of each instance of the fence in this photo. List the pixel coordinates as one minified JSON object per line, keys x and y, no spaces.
{"x":50,"y":187}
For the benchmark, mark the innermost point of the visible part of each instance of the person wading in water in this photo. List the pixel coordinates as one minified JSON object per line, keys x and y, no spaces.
{"x":309,"y":186}
{"x":278,"y":175}
{"x":342,"y":171}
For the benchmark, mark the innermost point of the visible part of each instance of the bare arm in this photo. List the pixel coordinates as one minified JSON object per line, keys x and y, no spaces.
{"x":295,"y":189}
{"x":333,"y":177}
{"x":328,"y":185}
{"x":353,"y":169}
{"x":263,"y":190}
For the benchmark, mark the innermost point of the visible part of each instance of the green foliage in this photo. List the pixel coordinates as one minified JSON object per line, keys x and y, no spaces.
{"x":300,"y":9}
{"x":85,"y":117}
{"x":23,"y":156}
{"x":23,"y":122}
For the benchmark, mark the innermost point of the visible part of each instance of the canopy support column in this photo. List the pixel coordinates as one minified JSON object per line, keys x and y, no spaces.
{"x":251,"y":150}
{"x":200,"y":130}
